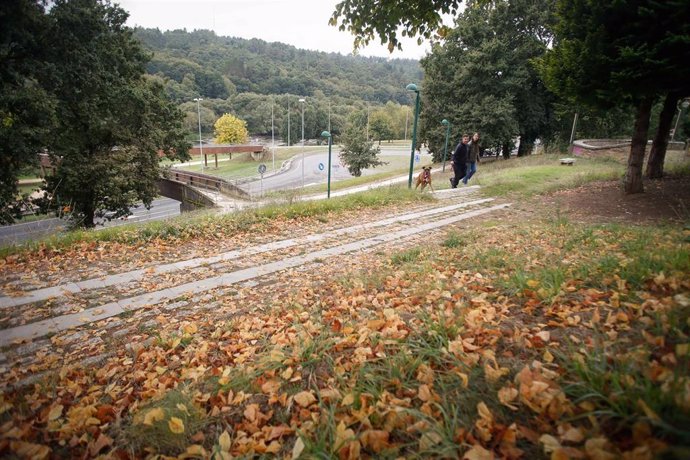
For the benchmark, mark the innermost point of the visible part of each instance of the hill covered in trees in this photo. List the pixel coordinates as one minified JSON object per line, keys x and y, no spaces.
{"x":201,"y":63}
{"x":248,"y":77}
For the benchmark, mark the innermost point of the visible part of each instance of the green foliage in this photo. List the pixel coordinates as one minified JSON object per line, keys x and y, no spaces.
{"x":112,"y":122}
{"x":481,"y":78}
{"x":381,"y":126}
{"x":26,"y":108}
{"x":230,"y":130}
{"x":358,"y":153}
{"x":610,"y":51}
{"x":256,"y":66}
{"x":72,"y":83}
{"x":367,"y":19}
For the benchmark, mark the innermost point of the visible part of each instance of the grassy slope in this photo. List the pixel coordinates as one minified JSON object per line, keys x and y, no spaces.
{"x":526,"y":338}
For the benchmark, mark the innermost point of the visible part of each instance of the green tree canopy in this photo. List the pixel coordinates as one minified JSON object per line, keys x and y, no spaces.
{"x":112,"y":123}
{"x":368,"y":19}
{"x":630,"y":51}
{"x":481,"y":78}
{"x":357,"y":152}
{"x":26,"y":108}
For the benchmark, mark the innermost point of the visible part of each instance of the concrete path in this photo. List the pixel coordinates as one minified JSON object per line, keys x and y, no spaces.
{"x":433,"y":218}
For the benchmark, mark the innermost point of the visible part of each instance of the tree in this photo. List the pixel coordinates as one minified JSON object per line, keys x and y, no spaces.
{"x":358,"y":153}
{"x":630,"y":51}
{"x":26,"y":108}
{"x":230,"y":130}
{"x":481,"y":78}
{"x":367,"y":19}
{"x":381,"y":125}
{"x":113,"y":124}
{"x":657,"y":155}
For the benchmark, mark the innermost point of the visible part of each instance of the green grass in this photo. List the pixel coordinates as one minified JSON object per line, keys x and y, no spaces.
{"x":242,"y":164}
{"x":175,"y":403}
{"x":206,"y":223}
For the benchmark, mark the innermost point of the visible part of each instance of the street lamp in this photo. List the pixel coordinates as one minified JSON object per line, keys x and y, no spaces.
{"x":330,"y":143}
{"x":302,"y":100}
{"x":413,"y":87}
{"x":201,"y":147}
{"x":681,"y":105}
{"x":445,"y":150}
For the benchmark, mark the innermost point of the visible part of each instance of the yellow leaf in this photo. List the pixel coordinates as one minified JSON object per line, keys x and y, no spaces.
{"x":683,"y":349}
{"x":533,"y":283}
{"x":224,"y":442}
{"x":348,"y":400}
{"x":429,"y":439}
{"x":195,"y":451}
{"x":573,"y":435}
{"x":28,"y":450}
{"x":176,"y":425}
{"x":477,"y":452}
{"x":270,"y":386}
{"x":305,"y":398}
{"x":274,"y":447}
{"x":545,"y":336}
{"x":153,"y":416}
{"x":424,"y":393}
{"x":551,"y":444}
{"x":548,"y":357}
{"x":183,"y":408}
{"x":55,"y":412}
{"x":298,"y":448}
{"x":507,"y":395}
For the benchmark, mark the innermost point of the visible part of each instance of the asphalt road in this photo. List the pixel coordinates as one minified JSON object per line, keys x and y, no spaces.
{"x":315,"y":171}
{"x":161,"y":208}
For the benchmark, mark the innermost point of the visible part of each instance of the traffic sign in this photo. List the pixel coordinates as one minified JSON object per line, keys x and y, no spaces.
{"x":262,"y":169}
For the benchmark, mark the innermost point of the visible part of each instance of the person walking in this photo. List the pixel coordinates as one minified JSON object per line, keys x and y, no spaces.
{"x":459,"y":161}
{"x":473,"y":149}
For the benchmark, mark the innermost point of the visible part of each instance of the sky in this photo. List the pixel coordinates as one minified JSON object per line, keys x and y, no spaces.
{"x":301,"y":23}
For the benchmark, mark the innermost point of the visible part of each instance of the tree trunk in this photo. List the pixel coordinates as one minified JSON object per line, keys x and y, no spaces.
{"x":632,"y":182}
{"x":526,"y":145}
{"x":506,"y":151}
{"x":655,"y":163}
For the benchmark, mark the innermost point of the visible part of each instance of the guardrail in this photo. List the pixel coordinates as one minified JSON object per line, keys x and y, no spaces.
{"x":206,"y":182}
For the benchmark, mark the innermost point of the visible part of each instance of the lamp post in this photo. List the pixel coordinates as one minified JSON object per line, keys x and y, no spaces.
{"x":273,"y":137}
{"x":681,"y":105}
{"x":413,"y":87}
{"x":445,"y":150}
{"x":201,"y":147}
{"x":288,"y":98}
{"x":330,"y":143}
{"x":302,"y":100}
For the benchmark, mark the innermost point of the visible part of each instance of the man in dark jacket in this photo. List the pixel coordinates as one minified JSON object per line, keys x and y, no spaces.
{"x":459,"y":159}
{"x":473,"y":149}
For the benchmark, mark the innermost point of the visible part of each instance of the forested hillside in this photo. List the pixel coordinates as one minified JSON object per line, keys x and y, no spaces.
{"x":245,"y":77}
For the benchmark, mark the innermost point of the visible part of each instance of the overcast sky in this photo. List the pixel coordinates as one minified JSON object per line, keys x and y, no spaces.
{"x":301,"y":23}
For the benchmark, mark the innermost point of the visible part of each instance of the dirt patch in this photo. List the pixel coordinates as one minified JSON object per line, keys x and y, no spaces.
{"x":665,"y":200}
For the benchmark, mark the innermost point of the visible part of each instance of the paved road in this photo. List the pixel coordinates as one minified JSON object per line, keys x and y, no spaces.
{"x":315,"y":166}
{"x":15,"y":234}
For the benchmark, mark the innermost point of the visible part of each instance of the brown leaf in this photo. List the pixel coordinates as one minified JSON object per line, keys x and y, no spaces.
{"x":375,"y":440}
{"x":100,"y":443}
{"x":305,"y":398}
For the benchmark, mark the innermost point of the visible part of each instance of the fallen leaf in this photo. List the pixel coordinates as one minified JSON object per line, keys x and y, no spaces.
{"x":153,"y":416}
{"x":176,"y":425}
{"x":305,"y":398}
{"x":297,"y":448}
{"x":477,"y":452}
{"x":55,"y":412}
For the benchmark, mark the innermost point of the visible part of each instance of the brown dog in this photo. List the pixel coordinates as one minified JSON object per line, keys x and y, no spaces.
{"x":424,"y":178}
